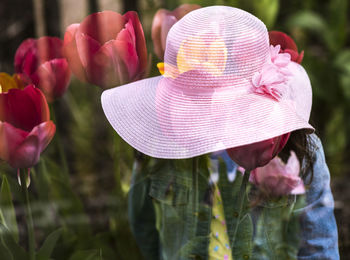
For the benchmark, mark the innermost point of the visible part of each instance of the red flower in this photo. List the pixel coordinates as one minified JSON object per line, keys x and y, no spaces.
{"x":25,"y":126}
{"x":287,"y":45}
{"x":42,"y":62}
{"x":107,"y":49}
{"x":162,"y":22}
{"x":258,"y":154}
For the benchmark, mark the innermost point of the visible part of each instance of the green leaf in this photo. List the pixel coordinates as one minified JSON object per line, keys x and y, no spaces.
{"x":313,"y":22}
{"x":342,"y":61}
{"x":337,"y":10}
{"x":243,"y":243}
{"x":266,"y":10}
{"x":93,"y":254}
{"x":17,"y":251}
{"x":5,"y":253}
{"x":48,"y":245}
{"x":7,"y":209}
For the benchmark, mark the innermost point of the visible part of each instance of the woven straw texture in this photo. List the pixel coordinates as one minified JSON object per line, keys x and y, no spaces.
{"x":204,"y":102}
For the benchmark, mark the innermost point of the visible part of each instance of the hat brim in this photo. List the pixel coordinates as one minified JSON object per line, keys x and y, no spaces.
{"x":163,"y":122}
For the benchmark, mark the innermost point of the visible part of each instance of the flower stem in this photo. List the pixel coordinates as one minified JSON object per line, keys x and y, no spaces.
{"x":195,"y":195}
{"x":29,"y":218}
{"x":60,"y":147}
{"x":241,"y":197}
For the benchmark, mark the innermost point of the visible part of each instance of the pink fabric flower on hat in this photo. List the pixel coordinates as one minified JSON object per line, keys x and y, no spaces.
{"x":272,"y":78}
{"x":277,"y":178}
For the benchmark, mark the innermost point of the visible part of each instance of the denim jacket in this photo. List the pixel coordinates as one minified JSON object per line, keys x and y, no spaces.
{"x":170,"y":211}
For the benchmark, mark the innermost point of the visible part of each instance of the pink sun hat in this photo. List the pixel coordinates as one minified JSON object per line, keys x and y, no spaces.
{"x":223,"y":86}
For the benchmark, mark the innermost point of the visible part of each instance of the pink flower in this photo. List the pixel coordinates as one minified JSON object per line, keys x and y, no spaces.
{"x":287,"y":45}
{"x":272,"y":78}
{"x":258,"y":154}
{"x":25,"y":126}
{"x":162,"y":22}
{"x":277,"y":178}
{"x":40,"y":61}
{"x":107,"y":49}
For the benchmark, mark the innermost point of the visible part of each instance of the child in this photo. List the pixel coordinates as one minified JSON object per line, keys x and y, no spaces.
{"x":224,"y":87}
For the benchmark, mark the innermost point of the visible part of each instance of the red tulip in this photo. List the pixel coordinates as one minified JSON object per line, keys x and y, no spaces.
{"x":287,"y":45}
{"x":107,"y":49}
{"x":25,"y":126}
{"x":162,"y":22}
{"x":42,"y":62}
{"x":258,"y":154}
{"x":277,"y":178}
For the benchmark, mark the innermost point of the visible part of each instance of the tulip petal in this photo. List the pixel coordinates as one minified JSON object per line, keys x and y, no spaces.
{"x":125,"y":48}
{"x":87,"y":47}
{"x":10,"y":138}
{"x":141,"y":49}
{"x":21,"y":53}
{"x":168,"y":22}
{"x":282,"y":39}
{"x":52,"y":77}
{"x":23,"y":149}
{"x":158,"y":32}
{"x":49,"y":48}
{"x":108,"y":69}
{"x":25,"y":108}
{"x":300,"y":189}
{"x":30,"y":62}
{"x":293,"y":165}
{"x":102,"y":26}
{"x":70,"y":52}
{"x":184,"y":9}
{"x":6,"y":82}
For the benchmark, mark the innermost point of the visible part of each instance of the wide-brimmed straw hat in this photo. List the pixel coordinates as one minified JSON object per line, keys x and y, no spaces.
{"x":223,"y":86}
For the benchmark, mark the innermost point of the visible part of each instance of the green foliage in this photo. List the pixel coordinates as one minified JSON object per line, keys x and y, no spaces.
{"x":46,"y":250}
{"x":87,"y":255}
{"x":266,"y":10}
{"x":7,"y":210}
{"x":14,"y":249}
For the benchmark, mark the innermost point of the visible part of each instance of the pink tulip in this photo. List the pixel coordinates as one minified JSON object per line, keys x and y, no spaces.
{"x":25,"y":126}
{"x":277,"y":178}
{"x":287,"y":45}
{"x":258,"y":154}
{"x":162,"y":22}
{"x":40,"y":61}
{"x":107,"y":49}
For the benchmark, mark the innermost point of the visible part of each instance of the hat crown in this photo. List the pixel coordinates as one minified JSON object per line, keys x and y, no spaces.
{"x":221,"y":41}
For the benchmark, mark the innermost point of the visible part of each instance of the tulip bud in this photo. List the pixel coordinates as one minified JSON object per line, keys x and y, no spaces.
{"x":107,"y":49}
{"x":25,"y":126}
{"x":162,"y":22}
{"x":40,"y":62}
{"x":277,"y":178}
{"x":258,"y":154}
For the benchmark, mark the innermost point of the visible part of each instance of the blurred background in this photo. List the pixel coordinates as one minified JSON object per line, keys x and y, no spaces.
{"x":87,"y":193}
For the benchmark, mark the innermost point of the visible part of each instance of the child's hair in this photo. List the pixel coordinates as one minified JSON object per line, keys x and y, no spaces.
{"x":303,"y":145}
